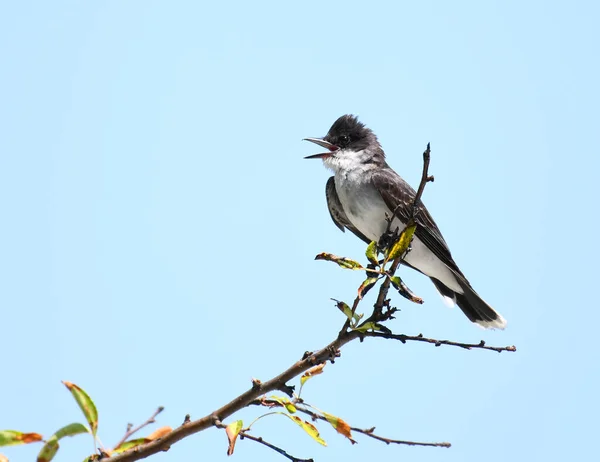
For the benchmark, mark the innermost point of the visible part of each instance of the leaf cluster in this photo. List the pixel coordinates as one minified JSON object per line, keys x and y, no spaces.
{"x":88,"y":408}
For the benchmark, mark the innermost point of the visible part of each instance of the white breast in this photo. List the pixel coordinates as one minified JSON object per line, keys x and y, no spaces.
{"x":363,"y":205}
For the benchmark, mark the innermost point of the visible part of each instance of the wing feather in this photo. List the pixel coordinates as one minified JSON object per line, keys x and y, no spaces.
{"x":396,"y":192}
{"x":336,"y":210}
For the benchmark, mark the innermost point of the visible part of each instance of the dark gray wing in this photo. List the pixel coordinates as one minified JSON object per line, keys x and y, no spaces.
{"x":396,"y":192}
{"x":336,"y":210}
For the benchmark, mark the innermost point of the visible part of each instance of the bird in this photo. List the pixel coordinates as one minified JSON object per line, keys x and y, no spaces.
{"x":364,"y":191}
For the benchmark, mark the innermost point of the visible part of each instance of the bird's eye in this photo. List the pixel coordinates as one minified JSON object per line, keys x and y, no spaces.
{"x":344,"y":139}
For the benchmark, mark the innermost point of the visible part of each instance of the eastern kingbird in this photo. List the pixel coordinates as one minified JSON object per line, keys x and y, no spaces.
{"x":364,"y":190}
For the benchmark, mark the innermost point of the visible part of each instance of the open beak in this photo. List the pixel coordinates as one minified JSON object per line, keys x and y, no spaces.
{"x":325,"y":144}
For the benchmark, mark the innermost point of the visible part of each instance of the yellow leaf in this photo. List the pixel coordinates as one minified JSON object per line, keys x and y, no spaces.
{"x":159,"y":433}
{"x":316,"y":370}
{"x":341,"y":426}
{"x":402,"y":243}
{"x":308,"y":428}
{"x":233,"y":430}
{"x":285,"y":402}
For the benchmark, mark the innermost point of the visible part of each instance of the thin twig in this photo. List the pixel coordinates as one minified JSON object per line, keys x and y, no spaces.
{"x":370,"y":431}
{"x":385,"y":286}
{"x":425,"y":178}
{"x":259,"y":439}
{"x":130,"y":431}
{"x":419,"y":338}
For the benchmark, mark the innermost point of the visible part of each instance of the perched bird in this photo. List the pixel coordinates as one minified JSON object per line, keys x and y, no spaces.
{"x":365,"y":189}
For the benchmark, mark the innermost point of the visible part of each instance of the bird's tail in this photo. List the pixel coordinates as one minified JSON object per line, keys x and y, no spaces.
{"x":474,"y":307}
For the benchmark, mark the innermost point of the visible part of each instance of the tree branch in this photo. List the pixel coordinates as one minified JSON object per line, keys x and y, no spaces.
{"x":276,"y":383}
{"x":328,"y":353}
{"x":240,"y":402}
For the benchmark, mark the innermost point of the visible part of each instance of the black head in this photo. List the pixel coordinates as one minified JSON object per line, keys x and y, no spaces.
{"x":348,"y":133}
{"x":348,"y":142}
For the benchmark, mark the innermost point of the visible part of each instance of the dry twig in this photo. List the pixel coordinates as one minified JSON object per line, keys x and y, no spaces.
{"x":260,"y":440}
{"x":131,"y":431}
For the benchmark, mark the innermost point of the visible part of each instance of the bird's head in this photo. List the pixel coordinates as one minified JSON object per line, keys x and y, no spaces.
{"x":349,"y":144}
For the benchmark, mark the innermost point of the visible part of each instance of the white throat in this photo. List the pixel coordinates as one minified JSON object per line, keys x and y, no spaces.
{"x":350,"y":165}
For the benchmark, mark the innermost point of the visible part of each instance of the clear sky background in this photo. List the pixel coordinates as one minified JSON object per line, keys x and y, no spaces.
{"x":159,"y":223}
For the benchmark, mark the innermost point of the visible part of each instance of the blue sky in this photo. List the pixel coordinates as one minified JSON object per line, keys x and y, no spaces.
{"x":160,"y":224}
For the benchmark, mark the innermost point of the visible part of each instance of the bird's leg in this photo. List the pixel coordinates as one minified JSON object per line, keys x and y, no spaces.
{"x":370,"y":266}
{"x":387,"y":239}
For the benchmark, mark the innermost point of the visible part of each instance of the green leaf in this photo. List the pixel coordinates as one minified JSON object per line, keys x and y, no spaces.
{"x":404,"y":290}
{"x":371,"y":253}
{"x":366,"y":286}
{"x":233,"y":430}
{"x":403,"y":242}
{"x":130,"y":444}
{"x":13,"y":438}
{"x":370,"y":326}
{"x":50,"y":449}
{"x":86,"y":404}
{"x":365,"y":327}
{"x":285,"y":402}
{"x":71,"y":430}
{"x":308,"y":428}
{"x":344,"y":308}
{"x":341,"y":261}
